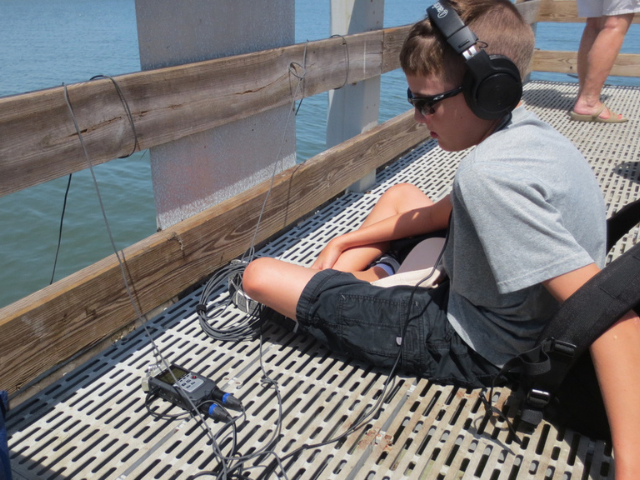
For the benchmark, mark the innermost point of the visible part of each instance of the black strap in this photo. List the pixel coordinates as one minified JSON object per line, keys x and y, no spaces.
{"x":621,"y":222}
{"x":446,"y":19}
{"x":4,"y":403}
{"x":581,"y":319}
{"x":588,"y":313}
{"x":606,"y":297}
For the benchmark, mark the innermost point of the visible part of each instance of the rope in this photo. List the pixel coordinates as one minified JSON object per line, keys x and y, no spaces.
{"x":127,"y":110}
{"x":347,"y":59}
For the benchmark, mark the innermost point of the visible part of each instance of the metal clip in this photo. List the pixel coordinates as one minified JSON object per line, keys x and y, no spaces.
{"x":564,"y":348}
{"x":538,"y":398}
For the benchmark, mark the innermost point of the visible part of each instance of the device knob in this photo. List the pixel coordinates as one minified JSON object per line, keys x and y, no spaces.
{"x":218,"y":413}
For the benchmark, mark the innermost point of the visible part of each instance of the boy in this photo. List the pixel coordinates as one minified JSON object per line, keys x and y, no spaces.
{"x":527,"y":229}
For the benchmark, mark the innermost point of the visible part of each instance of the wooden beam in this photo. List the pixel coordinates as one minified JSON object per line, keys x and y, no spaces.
{"x":626,"y":65}
{"x":564,"y":11}
{"x":50,"y":326}
{"x":393,"y":41}
{"x":40,"y":143}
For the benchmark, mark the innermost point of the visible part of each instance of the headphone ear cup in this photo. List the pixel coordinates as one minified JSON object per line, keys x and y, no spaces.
{"x":491,"y":92}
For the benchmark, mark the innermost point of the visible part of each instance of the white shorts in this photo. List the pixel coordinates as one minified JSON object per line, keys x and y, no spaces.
{"x":598,"y":8}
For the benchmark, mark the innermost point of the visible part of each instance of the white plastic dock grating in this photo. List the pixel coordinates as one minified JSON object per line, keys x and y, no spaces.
{"x":92,"y":424}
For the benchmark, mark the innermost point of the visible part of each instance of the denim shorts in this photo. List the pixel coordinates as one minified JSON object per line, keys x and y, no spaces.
{"x":366,"y":322}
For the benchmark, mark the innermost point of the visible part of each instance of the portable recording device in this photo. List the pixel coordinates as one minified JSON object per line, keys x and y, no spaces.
{"x":191,"y":389}
{"x":492,"y":85}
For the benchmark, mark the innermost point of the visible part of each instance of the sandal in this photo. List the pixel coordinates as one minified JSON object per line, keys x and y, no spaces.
{"x":613,"y":117}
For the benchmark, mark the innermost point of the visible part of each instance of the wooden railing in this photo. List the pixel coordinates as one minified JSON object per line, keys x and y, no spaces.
{"x":563,"y":11}
{"x":40,"y":143}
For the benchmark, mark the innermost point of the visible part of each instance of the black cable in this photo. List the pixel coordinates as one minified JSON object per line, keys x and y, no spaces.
{"x":377,"y":407}
{"x":215,"y":439}
{"x":301,"y":77}
{"x":135,"y":147}
{"x":245,"y":329}
{"x":347,"y":59}
{"x":148,"y":401}
{"x":64,"y":207}
{"x":121,"y":261}
{"x":234,"y":465}
{"x":231,"y":466}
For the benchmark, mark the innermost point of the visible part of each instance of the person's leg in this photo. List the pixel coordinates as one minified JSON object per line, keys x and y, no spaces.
{"x":276,"y":283}
{"x":397,"y":199}
{"x":601,"y":42}
{"x":373,"y":324}
{"x":589,"y":34}
{"x":279,"y":284}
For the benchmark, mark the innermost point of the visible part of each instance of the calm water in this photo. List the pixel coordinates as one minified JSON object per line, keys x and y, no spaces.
{"x":47,"y":43}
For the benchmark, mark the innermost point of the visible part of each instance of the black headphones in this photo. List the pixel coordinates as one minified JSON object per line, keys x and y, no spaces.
{"x":492,"y":85}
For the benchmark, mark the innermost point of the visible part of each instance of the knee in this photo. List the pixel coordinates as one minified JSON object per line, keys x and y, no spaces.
{"x":402,"y":193}
{"x":254,"y":279}
{"x":617,"y":24}
{"x":400,"y":188}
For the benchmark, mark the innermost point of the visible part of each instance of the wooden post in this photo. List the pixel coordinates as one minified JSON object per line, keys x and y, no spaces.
{"x":534,"y":27}
{"x":354,"y":108}
{"x":194,"y":173}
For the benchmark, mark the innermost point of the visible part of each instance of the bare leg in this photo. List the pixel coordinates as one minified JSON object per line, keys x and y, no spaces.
{"x":589,"y":34}
{"x":279,"y":284}
{"x":398,"y":199}
{"x":601,"y":41}
{"x":276,"y":283}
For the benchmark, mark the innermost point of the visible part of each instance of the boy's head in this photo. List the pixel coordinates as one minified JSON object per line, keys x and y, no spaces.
{"x":435,"y":71}
{"x":500,"y":30}
{"x":497,"y":24}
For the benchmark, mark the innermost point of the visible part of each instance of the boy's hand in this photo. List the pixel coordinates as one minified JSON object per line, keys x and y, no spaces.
{"x":329,"y":256}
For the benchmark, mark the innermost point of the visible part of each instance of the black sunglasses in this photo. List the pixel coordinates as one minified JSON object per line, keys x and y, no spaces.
{"x":425,"y":104}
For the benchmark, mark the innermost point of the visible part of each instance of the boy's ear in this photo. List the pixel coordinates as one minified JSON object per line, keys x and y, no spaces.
{"x":492,"y":85}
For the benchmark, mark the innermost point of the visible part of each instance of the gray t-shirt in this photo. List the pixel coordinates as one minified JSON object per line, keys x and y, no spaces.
{"x":526,"y":208}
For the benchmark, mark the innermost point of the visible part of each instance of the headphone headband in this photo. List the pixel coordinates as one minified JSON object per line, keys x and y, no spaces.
{"x":458,"y":35}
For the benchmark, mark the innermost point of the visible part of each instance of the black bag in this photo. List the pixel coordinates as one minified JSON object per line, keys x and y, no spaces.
{"x":578,"y":403}
{"x":557,"y":378}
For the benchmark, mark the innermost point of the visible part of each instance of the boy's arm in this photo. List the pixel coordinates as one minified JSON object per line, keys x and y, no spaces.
{"x":616,"y":356}
{"x":403,"y":225}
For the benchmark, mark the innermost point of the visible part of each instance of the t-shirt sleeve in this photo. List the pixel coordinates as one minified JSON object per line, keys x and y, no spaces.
{"x":523,"y":235}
